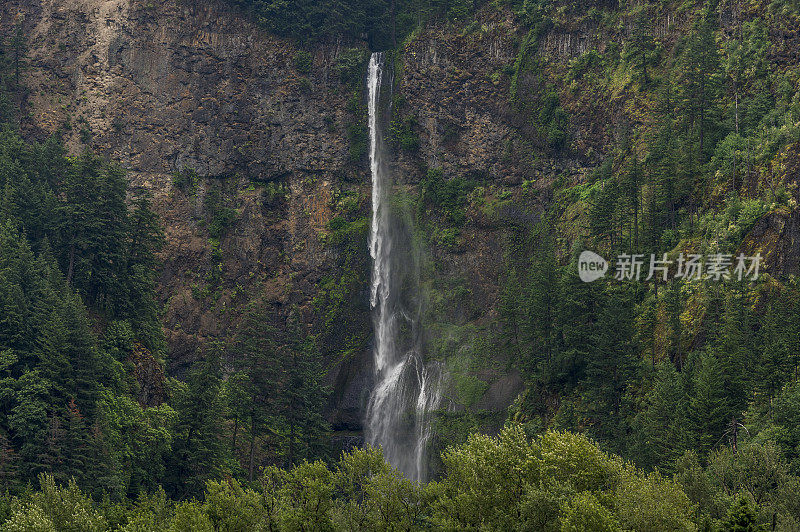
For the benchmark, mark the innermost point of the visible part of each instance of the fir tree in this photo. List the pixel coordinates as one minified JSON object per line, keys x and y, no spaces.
{"x":304,"y":397}
{"x":257,"y":384}
{"x":709,"y":411}
{"x":610,"y":365}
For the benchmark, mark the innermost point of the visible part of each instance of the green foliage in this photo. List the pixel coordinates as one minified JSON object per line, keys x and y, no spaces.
{"x":199,"y":452}
{"x":447,"y":196}
{"x":351,"y":66}
{"x":403,"y":132}
{"x":552,"y":119}
{"x":557,"y":481}
{"x":742,"y":517}
{"x":302,"y":62}
{"x":357,"y":129}
{"x":357,"y":134}
{"x":220,"y":221}
{"x":220,"y":214}
{"x":185,"y":179}
{"x":584,"y":512}
{"x":56,"y":508}
{"x":77,"y":271}
{"x":558,"y":477}
{"x":310,"y":21}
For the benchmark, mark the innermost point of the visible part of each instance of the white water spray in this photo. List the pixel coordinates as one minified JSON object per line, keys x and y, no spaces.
{"x":407,"y":390}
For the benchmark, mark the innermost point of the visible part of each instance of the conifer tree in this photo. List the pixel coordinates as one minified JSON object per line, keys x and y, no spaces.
{"x":698,"y":76}
{"x":660,"y":426}
{"x":540,"y":301}
{"x":198,"y":451}
{"x":578,"y":310}
{"x":709,"y":411}
{"x":610,"y":364}
{"x":304,"y":397}
{"x":257,"y":384}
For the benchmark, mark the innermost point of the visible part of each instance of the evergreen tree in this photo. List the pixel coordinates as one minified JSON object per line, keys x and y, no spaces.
{"x":93,"y":219}
{"x":540,"y":301}
{"x":603,"y":207}
{"x":257,"y":384}
{"x":780,"y":344}
{"x":198,"y":450}
{"x":578,"y":311}
{"x":709,"y":411}
{"x":77,"y":447}
{"x":742,"y":517}
{"x":9,"y":465}
{"x":304,"y":397}
{"x":736,"y":350}
{"x":660,"y":426}
{"x":144,"y":239}
{"x":610,"y":365}
{"x":698,"y":75}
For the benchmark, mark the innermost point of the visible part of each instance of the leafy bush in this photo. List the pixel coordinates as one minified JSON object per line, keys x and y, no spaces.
{"x":359,"y":141}
{"x":449,"y":196}
{"x":302,"y":62}
{"x":350,"y":65}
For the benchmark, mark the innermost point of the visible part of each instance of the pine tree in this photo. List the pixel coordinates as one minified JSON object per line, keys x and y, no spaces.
{"x":9,"y":465}
{"x":199,"y":452}
{"x":630,"y":186}
{"x":144,"y":239}
{"x":578,"y":310}
{"x":673,"y":306}
{"x":736,"y":350}
{"x":76,"y":447}
{"x":780,"y":345}
{"x":540,"y":303}
{"x":304,"y":397}
{"x":698,"y":76}
{"x":508,"y":312}
{"x":610,"y":365}
{"x":660,"y":425}
{"x":258,"y":380}
{"x":709,"y":411}
{"x":603,"y":207}
{"x":742,"y":517}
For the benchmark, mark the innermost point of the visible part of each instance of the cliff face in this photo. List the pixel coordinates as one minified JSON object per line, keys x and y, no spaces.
{"x":192,"y":87}
{"x":249,"y":155}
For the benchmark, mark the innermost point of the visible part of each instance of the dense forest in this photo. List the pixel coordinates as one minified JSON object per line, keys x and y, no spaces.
{"x":667,"y":404}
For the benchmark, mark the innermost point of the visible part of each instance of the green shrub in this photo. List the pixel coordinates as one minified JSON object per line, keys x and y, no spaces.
{"x":357,"y":134}
{"x":302,"y":62}
{"x":56,"y":508}
{"x":220,"y":220}
{"x":449,"y":196}
{"x":350,"y":65}
{"x":409,"y":140}
{"x":185,"y":179}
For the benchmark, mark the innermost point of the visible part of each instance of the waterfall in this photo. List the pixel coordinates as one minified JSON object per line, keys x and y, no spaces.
{"x":407,"y":389}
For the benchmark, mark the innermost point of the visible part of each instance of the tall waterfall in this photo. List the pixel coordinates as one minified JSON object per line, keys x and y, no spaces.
{"x":407,"y":389}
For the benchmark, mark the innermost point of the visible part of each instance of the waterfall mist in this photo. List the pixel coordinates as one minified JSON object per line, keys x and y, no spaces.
{"x":407,"y":389}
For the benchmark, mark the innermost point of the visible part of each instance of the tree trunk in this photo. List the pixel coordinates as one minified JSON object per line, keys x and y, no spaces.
{"x":252,"y":453}
{"x":71,"y":262}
